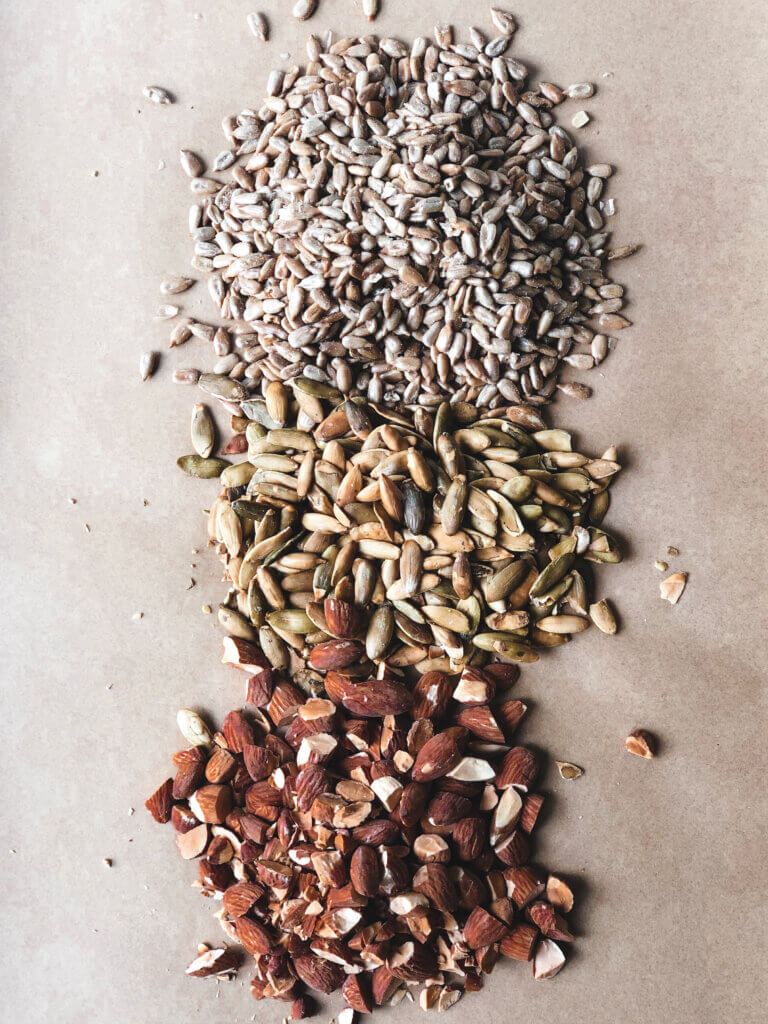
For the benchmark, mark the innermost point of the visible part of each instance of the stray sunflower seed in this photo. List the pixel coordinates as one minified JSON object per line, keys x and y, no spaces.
{"x":304,"y":9}
{"x":175,"y":285}
{"x":257,"y":23}
{"x":156,"y":94}
{"x":148,"y":364}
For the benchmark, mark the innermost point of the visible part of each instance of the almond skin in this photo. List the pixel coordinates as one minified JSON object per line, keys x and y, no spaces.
{"x":520,"y":942}
{"x":356,"y":993}
{"x":482,"y":929}
{"x":518,"y":768}
{"x":437,"y":757}
{"x":545,"y":918}
{"x":160,"y":804}
{"x":319,"y":974}
{"x":377,"y":698}
{"x":365,"y":871}
{"x":335,"y":654}
{"x":431,"y":695}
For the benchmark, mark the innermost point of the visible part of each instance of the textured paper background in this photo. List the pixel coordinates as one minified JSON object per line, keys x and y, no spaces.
{"x":667,"y":856}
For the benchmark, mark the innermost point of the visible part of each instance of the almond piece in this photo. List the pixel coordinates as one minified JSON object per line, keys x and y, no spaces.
{"x":431,"y":695}
{"x":192,"y":844}
{"x":481,"y":722}
{"x":520,"y":942}
{"x":548,"y":959}
{"x":356,"y":992}
{"x":255,"y":938}
{"x":482,"y":929}
{"x":214,"y":962}
{"x":518,"y":768}
{"x":437,"y":757}
{"x":319,"y":974}
{"x":434,"y":881}
{"x":559,"y":894}
{"x":524,"y":884}
{"x":641,"y":743}
{"x":548,"y":921}
{"x":430,"y":849}
{"x":240,"y":897}
{"x":243,"y":655}
{"x":160,"y":804}
{"x":532,"y":804}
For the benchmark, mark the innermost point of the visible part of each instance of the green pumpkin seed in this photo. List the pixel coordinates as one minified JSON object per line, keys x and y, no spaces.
{"x":238,"y":475}
{"x":291,"y":620}
{"x":380,"y":630}
{"x":501,"y":584}
{"x":206,"y":469}
{"x":552,"y":574}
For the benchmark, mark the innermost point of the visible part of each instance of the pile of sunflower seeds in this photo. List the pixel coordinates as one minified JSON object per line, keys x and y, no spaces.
{"x":355,"y":537}
{"x":408,"y":223}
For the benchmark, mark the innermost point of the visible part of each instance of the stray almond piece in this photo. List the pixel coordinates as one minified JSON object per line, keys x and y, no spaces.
{"x":160,"y":804}
{"x":192,"y":844}
{"x":559,"y":894}
{"x":568,"y":770}
{"x":671,"y":589}
{"x":301,"y":1008}
{"x":214,"y":962}
{"x":448,"y":996}
{"x":548,"y":960}
{"x":641,"y":743}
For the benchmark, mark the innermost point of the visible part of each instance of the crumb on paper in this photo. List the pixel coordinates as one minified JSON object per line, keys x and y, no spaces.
{"x":207,"y":610}
{"x":672,"y":551}
{"x":671,"y":589}
{"x":107,"y":862}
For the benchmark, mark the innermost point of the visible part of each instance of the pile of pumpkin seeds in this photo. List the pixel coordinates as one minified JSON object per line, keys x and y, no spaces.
{"x":409,"y":223}
{"x":456,"y":535}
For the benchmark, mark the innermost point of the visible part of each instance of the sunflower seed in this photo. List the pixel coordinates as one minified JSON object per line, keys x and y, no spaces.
{"x":304,"y":9}
{"x":175,"y":285}
{"x":147,"y":364}
{"x":257,"y":23}
{"x":156,"y":94}
{"x":202,"y":431}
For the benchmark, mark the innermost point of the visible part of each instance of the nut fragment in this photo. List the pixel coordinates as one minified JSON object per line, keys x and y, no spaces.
{"x":641,"y":743}
{"x":671,"y":589}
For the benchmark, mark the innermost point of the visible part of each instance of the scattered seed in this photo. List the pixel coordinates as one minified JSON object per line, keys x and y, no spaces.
{"x":156,"y":94}
{"x":175,"y":285}
{"x":370,"y":9}
{"x":661,"y":566}
{"x":147,"y":364}
{"x":580,"y":91}
{"x":671,"y":589}
{"x":166,"y":312}
{"x":257,"y":23}
{"x":641,"y":743}
{"x":603,"y":617}
{"x":673,"y":552}
{"x":569,"y":771}
{"x":580,"y":118}
{"x":191,"y":163}
{"x":304,"y":9}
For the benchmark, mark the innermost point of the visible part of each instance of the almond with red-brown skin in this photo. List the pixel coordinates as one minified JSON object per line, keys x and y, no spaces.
{"x":446,"y":808}
{"x":503,"y":908}
{"x":469,"y":838}
{"x":259,"y":687}
{"x":412,"y":804}
{"x":278,"y":746}
{"x":236,"y":445}
{"x":238,"y":732}
{"x":160,"y":804}
{"x":220,"y":850}
{"x":377,"y":698}
{"x":413,"y":961}
{"x":520,"y":942}
{"x":524,"y":884}
{"x":431,"y":695}
{"x":435,"y":882}
{"x":221,"y":766}
{"x":254,"y":829}
{"x":263,"y":793}
{"x":503,"y":675}
{"x":509,"y":715}
{"x":318,"y":974}
{"x":640,"y":742}
{"x":438,"y":756}
{"x":285,"y":701}
{"x":532,"y":803}
{"x":182,"y":819}
{"x":329,"y":867}
{"x":211,"y":803}
{"x":335,"y":654}
{"x":545,"y":917}
{"x":480,"y":721}
{"x":356,"y":992}
{"x":376,"y":833}
{"x":337,"y":685}
{"x":515,"y":850}
{"x":482,"y":928}
{"x":243,"y":655}
{"x":345,"y":896}
{"x":384,"y":984}
{"x":518,"y":768}
{"x":486,"y":957}
{"x":472,"y":892}
{"x":190,"y":773}
{"x":365,"y":871}
{"x":341,"y":618}
{"x":250,"y":852}
{"x":214,"y":876}
{"x":302,"y":1007}
{"x":192,"y":843}
{"x":259,"y":762}
{"x":256,"y":939}
{"x":311,"y":782}
{"x":240,"y":897}
{"x":274,"y":874}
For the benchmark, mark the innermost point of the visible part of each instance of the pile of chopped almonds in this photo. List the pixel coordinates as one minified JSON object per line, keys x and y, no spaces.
{"x":370,"y":841}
